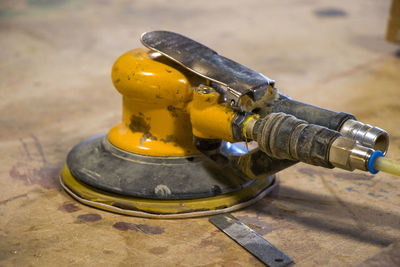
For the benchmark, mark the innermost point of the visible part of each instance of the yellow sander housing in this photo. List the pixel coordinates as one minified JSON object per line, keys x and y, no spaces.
{"x":148,"y":165}
{"x":201,"y":134}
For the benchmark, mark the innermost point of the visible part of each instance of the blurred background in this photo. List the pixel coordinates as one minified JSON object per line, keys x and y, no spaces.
{"x":65,"y":48}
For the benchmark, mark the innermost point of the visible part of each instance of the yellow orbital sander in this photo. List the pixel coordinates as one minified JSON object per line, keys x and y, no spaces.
{"x":202,"y":134}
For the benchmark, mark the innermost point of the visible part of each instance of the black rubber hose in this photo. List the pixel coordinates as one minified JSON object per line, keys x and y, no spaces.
{"x":312,"y":114}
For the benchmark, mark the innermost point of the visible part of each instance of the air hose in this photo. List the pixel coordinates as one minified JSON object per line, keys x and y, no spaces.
{"x":378,"y":162}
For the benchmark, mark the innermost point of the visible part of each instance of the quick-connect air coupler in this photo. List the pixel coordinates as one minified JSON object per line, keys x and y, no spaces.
{"x":283,"y":136}
{"x":366,"y":135}
{"x":345,"y":123}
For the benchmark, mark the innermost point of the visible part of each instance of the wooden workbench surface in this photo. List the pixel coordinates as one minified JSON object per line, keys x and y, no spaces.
{"x":55,"y":90}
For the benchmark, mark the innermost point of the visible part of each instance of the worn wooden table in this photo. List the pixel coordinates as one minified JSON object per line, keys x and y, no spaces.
{"x":55,"y":90}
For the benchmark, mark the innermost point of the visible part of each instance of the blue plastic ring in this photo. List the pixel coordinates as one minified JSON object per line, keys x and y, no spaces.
{"x":376,"y":154}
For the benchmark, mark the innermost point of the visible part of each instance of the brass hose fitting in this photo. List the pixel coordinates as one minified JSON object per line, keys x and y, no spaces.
{"x":347,"y":154}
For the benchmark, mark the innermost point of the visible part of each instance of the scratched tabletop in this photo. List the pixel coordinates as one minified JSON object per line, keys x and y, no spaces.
{"x":56,"y":90}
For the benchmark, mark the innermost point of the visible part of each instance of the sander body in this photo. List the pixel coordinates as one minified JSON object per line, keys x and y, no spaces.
{"x":201,"y":134}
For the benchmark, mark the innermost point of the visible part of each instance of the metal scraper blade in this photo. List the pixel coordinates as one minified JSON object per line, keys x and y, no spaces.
{"x":251,"y":241}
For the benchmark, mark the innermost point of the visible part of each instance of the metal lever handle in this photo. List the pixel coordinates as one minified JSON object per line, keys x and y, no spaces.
{"x":237,"y":79}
